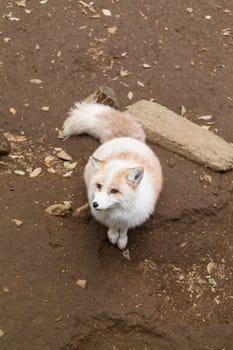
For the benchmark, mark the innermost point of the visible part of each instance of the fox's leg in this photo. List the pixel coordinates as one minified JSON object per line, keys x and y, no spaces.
{"x":123,"y":239}
{"x":113,"y":235}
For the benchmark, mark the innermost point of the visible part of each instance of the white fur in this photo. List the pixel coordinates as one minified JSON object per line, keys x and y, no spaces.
{"x":134,"y":206}
{"x":139,"y":189}
{"x":83,"y":119}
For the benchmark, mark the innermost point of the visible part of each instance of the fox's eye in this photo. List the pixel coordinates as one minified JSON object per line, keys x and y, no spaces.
{"x":98,"y":186}
{"x":114,"y":191}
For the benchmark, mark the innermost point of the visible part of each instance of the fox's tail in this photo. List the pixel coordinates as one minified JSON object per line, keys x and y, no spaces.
{"x":102,"y":122}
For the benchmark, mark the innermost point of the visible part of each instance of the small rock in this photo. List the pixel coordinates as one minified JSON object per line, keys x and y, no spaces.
{"x":81,"y":283}
{"x":5,"y":147}
{"x":1,"y":333}
{"x":62,"y":209}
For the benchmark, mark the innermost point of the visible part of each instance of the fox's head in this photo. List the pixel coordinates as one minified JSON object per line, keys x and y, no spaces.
{"x":113,"y":184}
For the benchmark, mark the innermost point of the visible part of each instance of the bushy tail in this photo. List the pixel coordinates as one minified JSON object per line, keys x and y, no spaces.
{"x":101,"y":122}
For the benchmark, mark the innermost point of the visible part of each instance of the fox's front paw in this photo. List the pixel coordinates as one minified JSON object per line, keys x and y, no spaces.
{"x":113,"y":236}
{"x":122,"y":242}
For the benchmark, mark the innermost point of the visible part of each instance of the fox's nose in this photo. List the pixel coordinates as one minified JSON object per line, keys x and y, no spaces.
{"x":95,"y":205}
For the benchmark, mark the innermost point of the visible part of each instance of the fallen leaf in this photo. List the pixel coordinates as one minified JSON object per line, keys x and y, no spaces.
{"x":106,"y":12}
{"x":13,"y":19}
{"x":51,"y":170}
{"x":124,"y":72}
{"x":206,"y":127}
{"x":63,"y":209}
{"x":44,"y":108}
{"x":130,"y":95}
{"x":19,"y":172}
{"x":21,"y":3}
{"x":12,"y":110}
{"x":70,"y":166}
{"x":212,"y":282}
{"x":49,"y":159}
{"x":81,"y":283}
{"x":126,"y":254}
{"x":183,"y":110}
{"x":35,"y":81}
{"x":17,"y":222}
{"x":146,"y":65}
{"x":205,"y":117}
{"x":140,"y":83}
{"x":6,"y":39}
{"x":36,"y":172}
{"x":112,"y":30}
{"x":210,"y":267}
{"x":64,"y":156}
{"x":68,"y":174}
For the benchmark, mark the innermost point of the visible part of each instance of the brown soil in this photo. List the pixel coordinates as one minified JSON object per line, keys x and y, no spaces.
{"x":162,"y":298}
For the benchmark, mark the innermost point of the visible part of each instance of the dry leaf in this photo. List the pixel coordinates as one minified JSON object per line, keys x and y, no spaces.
{"x":210,"y":267}
{"x":70,"y":166}
{"x":206,"y":127}
{"x":64,"y":156}
{"x":140,"y":84}
{"x":63,"y":209}
{"x":36,"y":172}
{"x":21,"y":3}
{"x":17,"y":222}
{"x":44,"y":108}
{"x":81,"y":283}
{"x":130,"y":95}
{"x":146,"y":65}
{"x":6,"y":40}
{"x":112,"y":30}
{"x":19,"y":172}
{"x":12,"y":110}
{"x":183,"y":110}
{"x":124,"y":72}
{"x":106,"y":12}
{"x":68,"y":174}
{"x":205,"y":117}
{"x":35,"y":81}
{"x":126,"y":254}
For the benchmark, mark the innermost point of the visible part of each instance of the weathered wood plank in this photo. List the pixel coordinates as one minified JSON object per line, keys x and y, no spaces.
{"x":179,"y":135}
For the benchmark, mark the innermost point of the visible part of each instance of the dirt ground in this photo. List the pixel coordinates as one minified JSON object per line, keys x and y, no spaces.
{"x":176,"y":292}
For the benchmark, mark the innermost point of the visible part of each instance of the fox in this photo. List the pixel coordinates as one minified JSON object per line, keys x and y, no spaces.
{"x":123,"y":176}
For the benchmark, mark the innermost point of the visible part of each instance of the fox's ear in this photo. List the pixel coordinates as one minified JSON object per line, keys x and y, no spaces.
{"x":134,"y":176}
{"x":96,"y":163}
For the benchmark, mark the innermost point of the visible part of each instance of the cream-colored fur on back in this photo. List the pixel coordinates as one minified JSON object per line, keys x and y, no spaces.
{"x":102,"y":122}
{"x":123,"y":151}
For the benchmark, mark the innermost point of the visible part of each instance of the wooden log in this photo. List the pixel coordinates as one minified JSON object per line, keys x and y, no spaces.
{"x":179,"y":135}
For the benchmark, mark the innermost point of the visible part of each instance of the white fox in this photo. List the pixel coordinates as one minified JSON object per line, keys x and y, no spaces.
{"x":123,"y":176}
